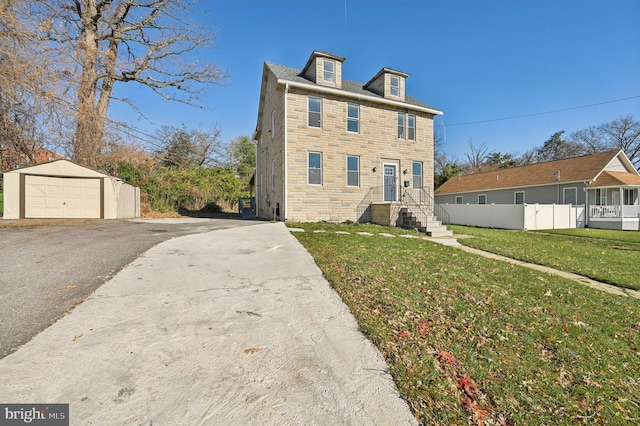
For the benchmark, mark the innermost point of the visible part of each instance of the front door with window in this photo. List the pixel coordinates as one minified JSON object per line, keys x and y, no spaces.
{"x":390,"y":186}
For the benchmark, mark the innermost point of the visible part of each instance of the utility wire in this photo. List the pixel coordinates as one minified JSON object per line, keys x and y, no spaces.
{"x":541,"y":113}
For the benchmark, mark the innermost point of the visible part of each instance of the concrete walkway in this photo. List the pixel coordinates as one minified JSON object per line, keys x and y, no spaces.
{"x":233,"y":327}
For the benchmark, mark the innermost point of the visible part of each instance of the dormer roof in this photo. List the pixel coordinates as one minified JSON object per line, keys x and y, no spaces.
{"x":320,"y":54}
{"x":352,"y":89}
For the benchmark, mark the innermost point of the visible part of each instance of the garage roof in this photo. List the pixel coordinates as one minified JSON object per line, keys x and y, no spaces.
{"x":59,"y":168}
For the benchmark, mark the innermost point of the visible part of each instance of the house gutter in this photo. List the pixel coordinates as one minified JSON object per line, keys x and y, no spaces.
{"x":346,"y":94}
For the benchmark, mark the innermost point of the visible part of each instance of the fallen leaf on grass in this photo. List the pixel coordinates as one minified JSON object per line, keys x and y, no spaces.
{"x":446,"y":357}
{"x":590,"y":382}
{"x":252,"y":351}
{"x":404,"y":334}
{"x":467,"y":385}
{"x":424,"y":326}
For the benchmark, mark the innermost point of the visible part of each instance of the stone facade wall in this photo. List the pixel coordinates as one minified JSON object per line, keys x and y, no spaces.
{"x":270,"y":152}
{"x":376,"y":144}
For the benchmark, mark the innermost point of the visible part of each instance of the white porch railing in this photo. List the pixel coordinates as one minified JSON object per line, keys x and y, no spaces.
{"x":604,"y":211}
{"x":614,"y":211}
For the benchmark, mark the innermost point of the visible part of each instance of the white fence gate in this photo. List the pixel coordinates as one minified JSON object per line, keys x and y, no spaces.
{"x":517,"y":216}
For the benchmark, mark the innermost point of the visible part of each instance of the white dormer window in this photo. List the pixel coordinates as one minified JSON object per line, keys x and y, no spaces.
{"x":329,"y":71}
{"x":394,"y":88}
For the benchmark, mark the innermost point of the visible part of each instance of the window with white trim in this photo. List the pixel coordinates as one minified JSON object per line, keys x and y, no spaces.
{"x":570,"y":196}
{"x":417,"y":174}
{"x":315,"y":112}
{"x":458,"y":199}
{"x":315,"y":168}
{"x":329,"y":71}
{"x":411,"y":127}
{"x":401,"y":130}
{"x":630,"y":197}
{"x":394,"y":86}
{"x":482,"y":198}
{"x":601,"y":197}
{"x":353,"y":170}
{"x":353,"y":118}
{"x":518,"y":197}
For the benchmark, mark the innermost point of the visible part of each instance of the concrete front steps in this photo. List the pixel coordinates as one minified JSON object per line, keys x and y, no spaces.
{"x":433,"y":227}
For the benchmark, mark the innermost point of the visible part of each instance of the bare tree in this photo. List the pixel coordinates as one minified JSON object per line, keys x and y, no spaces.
{"x":150,"y":42}
{"x":26,"y":81}
{"x":624,"y":133}
{"x":591,"y":139}
{"x":475,"y":157}
{"x":184,"y":148}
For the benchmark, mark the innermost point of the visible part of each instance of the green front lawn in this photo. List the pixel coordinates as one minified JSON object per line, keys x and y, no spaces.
{"x":602,"y":234}
{"x":471,"y":340}
{"x":607,"y":256}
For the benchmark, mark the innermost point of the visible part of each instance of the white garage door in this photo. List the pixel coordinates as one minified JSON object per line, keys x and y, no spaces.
{"x":55,"y":197}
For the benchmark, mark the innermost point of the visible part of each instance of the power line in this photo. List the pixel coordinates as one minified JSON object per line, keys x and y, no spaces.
{"x":541,"y":113}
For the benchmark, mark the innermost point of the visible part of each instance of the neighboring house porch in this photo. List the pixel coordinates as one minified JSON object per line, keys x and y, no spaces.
{"x":613,"y":202}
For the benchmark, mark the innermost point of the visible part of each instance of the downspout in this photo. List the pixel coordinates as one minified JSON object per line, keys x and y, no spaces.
{"x":284,"y":166}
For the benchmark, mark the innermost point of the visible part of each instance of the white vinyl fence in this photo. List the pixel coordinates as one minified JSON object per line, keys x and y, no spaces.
{"x":517,"y":216}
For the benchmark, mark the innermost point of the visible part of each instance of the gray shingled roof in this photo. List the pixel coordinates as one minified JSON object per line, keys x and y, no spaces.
{"x":295,"y":76}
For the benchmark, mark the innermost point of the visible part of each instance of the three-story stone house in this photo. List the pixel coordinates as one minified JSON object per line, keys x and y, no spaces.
{"x":327,"y":146}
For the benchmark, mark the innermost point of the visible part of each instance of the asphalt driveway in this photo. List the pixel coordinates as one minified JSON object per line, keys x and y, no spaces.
{"x":49,"y":266}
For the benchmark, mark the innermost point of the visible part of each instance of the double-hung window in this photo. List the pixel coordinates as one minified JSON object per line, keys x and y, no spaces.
{"x":353,"y":170}
{"x":315,"y":168}
{"x":570,"y":196}
{"x":329,"y":71}
{"x":315,"y":112}
{"x":353,"y":118}
{"x":401,"y":130}
{"x":406,"y":126}
{"x":411,"y":127}
{"x":417,"y":175}
{"x":601,"y":197}
{"x":394,"y":86}
{"x":518,"y":197}
{"x":482,"y":198}
{"x":458,"y":199}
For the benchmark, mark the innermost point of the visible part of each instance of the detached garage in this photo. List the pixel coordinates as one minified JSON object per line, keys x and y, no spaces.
{"x":63,"y":190}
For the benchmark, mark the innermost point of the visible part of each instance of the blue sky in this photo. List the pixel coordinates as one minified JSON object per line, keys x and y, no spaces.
{"x":474,"y":60}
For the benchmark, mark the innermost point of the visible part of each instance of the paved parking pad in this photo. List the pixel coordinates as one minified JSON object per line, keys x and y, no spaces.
{"x":235,"y":326}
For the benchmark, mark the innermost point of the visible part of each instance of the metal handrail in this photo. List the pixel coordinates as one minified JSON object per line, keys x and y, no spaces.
{"x":426,"y":199}
{"x":421,"y":215}
{"x":419,"y":201}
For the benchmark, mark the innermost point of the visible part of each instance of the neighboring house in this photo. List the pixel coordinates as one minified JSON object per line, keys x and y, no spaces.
{"x":328,"y":147}
{"x":12,"y":158}
{"x":606,"y":183}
